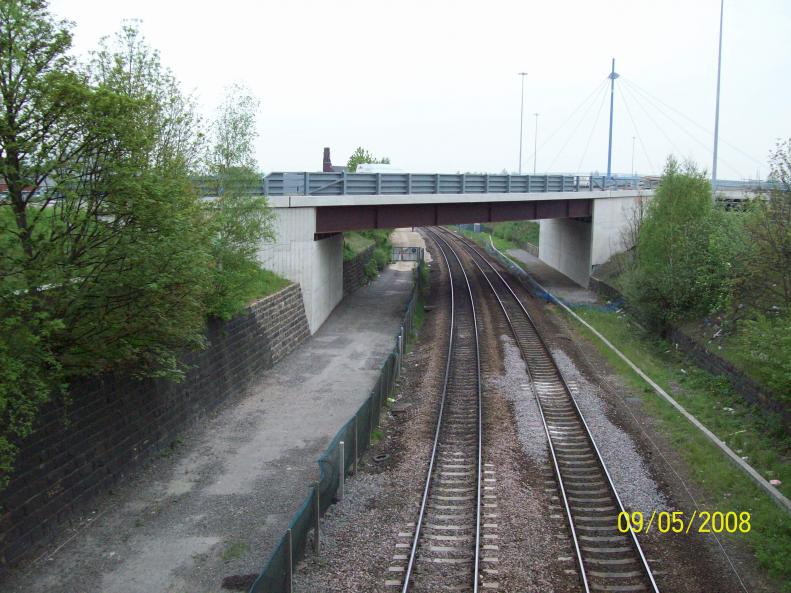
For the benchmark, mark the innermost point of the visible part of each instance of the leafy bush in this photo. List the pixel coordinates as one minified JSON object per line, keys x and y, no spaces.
{"x":518,"y":232}
{"x":686,"y":253}
{"x":381,"y":257}
{"x":370,"y":269}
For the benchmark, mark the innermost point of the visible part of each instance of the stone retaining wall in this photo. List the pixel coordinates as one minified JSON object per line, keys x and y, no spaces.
{"x":354,"y":270}
{"x":113,"y":424}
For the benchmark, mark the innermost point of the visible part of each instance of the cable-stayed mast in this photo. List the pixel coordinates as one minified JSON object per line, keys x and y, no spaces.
{"x":612,"y":77}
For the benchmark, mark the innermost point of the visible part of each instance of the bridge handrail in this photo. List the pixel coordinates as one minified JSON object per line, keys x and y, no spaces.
{"x":340,"y":183}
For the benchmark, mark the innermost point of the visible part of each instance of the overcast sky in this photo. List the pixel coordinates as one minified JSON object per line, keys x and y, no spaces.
{"x":434,"y":85}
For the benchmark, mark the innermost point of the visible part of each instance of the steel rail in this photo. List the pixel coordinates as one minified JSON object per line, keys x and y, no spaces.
{"x":474,"y":251}
{"x":438,"y":430}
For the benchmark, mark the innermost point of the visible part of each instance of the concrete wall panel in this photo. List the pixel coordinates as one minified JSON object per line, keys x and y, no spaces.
{"x":316,"y":265}
{"x":611,"y":217}
{"x":565,"y":244}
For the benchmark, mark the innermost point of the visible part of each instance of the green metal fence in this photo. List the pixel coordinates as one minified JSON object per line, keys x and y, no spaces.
{"x":351,"y":441}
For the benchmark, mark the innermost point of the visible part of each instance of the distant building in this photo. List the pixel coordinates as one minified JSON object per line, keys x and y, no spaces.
{"x":327,"y":166}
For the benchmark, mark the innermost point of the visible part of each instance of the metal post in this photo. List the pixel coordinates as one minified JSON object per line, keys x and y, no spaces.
{"x":436,"y":183}
{"x":289,"y":563}
{"x":354,"y":463}
{"x":612,"y":77}
{"x":378,"y":183}
{"x":341,"y":471}
{"x":343,"y":182}
{"x":521,"y":118}
{"x":717,"y":108}
{"x":535,"y":145}
{"x":306,"y":181}
{"x":317,"y":522}
{"x":409,"y":183}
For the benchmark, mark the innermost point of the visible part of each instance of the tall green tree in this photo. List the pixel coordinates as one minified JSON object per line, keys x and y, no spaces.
{"x":685,"y":252}
{"x":239,"y":220}
{"x":102,"y":237}
{"x":360,"y":156}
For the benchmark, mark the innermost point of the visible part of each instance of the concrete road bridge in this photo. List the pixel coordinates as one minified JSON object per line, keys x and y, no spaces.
{"x":582,"y":218}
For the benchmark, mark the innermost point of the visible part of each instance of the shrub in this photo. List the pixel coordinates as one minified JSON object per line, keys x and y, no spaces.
{"x":686,"y":251}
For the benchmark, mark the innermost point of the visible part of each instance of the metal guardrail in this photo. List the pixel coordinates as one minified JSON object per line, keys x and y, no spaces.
{"x":338,"y":184}
{"x":305,"y":183}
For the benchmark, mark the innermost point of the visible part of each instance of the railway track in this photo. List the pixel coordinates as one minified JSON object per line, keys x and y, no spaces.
{"x":607,"y":559}
{"x":445,"y":542}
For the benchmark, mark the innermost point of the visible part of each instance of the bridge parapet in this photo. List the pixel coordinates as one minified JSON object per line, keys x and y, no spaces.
{"x":341,"y":183}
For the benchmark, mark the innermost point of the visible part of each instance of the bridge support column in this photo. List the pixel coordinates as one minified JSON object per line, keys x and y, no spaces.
{"x":317,"y":265}
{"x":565,"y":244}
{"x":575,"y":247}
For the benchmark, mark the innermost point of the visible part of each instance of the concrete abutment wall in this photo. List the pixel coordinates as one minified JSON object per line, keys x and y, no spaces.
{"x":316,"y":265}
{"x":575,"y":246}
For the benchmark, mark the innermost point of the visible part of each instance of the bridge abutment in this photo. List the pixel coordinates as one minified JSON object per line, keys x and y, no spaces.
{"x":317,"y":265}
{"x":575,"y":246}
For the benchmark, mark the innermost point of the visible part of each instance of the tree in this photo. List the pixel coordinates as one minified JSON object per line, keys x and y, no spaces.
{"x":360,"y":156}
{"x":767,"y":283}
{"x":238,"y":220}
{"x":685,"y":250}
{"x":128,"y":65}
{"x":102,"y":237}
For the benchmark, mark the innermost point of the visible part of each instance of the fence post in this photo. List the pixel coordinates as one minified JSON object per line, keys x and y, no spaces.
{"x":354,"y":464}
{"x":341,"y":471}
{"x":317,"y":522}
{"x":307,"y":183}
{"x":378,"y":183}
{"x":290,"y":564}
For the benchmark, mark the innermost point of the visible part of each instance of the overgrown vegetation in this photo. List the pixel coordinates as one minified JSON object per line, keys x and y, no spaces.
{"x":694,"y":260}
{"x":356,"y":242}
{"x":516,"y":232}
{"x":110,"y":260}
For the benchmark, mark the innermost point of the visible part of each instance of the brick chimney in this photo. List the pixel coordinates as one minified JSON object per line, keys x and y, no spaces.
{"x":327,"y":167}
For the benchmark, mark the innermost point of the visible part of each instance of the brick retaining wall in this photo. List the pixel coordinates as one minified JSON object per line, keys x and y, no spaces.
{"x":751,"y":391}
{"x":354,"y":270}
{"x":115,"y":423}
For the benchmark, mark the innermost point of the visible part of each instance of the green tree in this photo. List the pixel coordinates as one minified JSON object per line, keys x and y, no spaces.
{"x":685,"y":252}
{"x":767,"y":282}
{"x":360,"y":156}
{"x":129,"y":66}
{"x":238,"y":220}
{"x":102,"y":237}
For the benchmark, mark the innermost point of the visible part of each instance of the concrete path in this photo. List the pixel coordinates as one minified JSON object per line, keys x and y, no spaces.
{"x":555,"y":282}
{"x":217,"y":505}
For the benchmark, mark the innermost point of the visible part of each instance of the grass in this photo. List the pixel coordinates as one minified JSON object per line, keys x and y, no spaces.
{"x":747,"y":430}
{"x":262,"y":283}
{"x":234,"y":550}
{"x":356,"y":243}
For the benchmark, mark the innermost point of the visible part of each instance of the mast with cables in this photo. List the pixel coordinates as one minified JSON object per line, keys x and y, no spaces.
{"x":612,"y":77}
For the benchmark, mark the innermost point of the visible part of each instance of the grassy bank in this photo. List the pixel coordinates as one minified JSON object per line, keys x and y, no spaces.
{"x":517,"y":232}
{"x":751,"y":433}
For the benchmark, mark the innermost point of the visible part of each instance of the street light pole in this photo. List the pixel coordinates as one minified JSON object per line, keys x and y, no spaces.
{"x":535,"y":144}
{"x":717,"y":108}
{"x":521,"y":118}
